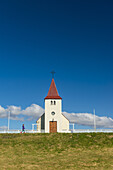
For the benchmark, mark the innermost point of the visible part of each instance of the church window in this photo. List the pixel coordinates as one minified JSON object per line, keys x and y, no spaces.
{"x":53,"y":113}
{"x":54,"y":102}
{"x":51,"y":102}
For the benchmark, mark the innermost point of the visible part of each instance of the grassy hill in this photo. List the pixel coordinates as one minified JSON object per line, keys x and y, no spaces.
{"x":56,"y":151}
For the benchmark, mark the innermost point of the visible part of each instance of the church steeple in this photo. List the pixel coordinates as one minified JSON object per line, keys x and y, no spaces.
{"x":53,"y":93}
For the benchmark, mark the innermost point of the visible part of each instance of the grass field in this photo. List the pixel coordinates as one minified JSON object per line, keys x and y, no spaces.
{"x":56,"y":151}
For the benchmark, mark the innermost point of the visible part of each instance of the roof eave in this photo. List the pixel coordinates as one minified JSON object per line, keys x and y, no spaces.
{"x":53,"y":97}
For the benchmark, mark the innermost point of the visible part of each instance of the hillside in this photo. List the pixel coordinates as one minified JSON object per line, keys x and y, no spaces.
{"x":56,"y":151}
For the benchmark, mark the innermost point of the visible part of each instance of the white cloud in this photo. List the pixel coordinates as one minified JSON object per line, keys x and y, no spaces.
{"x":3,"y":112}
{"x":14,"y":110}
{"x":3,"y":127}
{"x":87,"y":119}
{"x":34,"y":111}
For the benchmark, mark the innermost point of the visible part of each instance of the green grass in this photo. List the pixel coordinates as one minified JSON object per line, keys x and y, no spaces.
{"x":56,"y":151}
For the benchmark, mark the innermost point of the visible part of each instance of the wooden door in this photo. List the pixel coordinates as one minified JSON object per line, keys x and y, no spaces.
{"x":53,"y":126}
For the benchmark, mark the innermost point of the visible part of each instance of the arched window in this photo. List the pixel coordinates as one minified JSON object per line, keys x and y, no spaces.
{"x":54,"y":102}
{"x":51,"y":102}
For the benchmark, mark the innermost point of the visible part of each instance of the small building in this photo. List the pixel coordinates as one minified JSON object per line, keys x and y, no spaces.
{"x":53,"y":120}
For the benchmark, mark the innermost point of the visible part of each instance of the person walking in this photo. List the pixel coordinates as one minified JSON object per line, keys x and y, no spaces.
{"x":23,"y":129}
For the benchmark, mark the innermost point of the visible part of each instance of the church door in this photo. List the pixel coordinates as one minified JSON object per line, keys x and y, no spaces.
{"x":53,"y":126}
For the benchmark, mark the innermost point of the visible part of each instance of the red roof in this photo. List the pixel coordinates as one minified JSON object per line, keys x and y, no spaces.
{"x":53,"y":93}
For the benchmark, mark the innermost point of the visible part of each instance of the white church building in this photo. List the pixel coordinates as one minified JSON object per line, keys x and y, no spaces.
{"x":53,"y":120}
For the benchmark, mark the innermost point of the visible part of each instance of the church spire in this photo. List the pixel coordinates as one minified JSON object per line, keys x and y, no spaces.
{"x":53,"y":93}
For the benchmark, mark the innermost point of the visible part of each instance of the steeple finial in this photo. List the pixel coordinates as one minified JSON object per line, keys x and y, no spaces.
{"x":53,"y":93}
{"x":52,"y":74}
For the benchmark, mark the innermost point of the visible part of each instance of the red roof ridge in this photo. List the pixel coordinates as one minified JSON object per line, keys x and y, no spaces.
{"x":53,"y":93}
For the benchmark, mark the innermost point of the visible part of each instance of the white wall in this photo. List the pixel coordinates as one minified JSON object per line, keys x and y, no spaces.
{"x":62,"y":122}
{"x":39,"y":124}
{"x":65,"y":124}
{"x":49,"y":117}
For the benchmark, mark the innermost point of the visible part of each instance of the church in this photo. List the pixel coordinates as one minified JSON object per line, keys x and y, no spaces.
{"x":53,"y":120}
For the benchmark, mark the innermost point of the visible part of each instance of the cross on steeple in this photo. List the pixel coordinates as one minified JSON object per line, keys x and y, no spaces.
{"x":53,"y":74}
{"x":53,"y":93}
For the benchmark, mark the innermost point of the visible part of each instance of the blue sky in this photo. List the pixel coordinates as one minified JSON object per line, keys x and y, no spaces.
{"x":74,"y":38}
